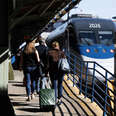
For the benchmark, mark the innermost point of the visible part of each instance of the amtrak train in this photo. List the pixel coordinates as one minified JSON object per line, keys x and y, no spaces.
{"x":91,"y":39}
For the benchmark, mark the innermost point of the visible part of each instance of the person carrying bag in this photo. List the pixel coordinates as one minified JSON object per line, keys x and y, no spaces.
{"x":56,"y":75}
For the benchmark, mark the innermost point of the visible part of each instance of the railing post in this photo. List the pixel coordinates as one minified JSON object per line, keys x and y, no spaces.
{"x":75,"y":63}
{"x":105,"y":100}
{"x":80,"y":79}
{"x":93,"y":83}
{"x":86,"y":81}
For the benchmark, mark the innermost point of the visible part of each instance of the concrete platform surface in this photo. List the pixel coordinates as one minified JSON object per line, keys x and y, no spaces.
{"x":72,"y":104}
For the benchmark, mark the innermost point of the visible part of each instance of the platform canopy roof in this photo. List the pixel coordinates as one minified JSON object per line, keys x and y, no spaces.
{"x":23,"y":11}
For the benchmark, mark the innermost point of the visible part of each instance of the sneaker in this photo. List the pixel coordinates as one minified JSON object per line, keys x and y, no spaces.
{"x":32,"y":96}
{"x":29,"y":98}
{"x":59,"y":101}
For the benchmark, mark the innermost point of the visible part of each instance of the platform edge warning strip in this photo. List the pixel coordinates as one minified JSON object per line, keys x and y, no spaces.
{"x":73,"y":92}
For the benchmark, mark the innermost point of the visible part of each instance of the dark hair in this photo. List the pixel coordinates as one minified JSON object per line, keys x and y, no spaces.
{"x":28,"y":38}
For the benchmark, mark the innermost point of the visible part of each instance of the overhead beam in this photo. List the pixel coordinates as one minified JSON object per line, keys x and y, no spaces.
{"x":61,"y":13}
{"x":47,"y":8}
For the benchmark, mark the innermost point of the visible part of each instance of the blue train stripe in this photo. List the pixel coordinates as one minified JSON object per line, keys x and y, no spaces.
{"x":97,"y":51}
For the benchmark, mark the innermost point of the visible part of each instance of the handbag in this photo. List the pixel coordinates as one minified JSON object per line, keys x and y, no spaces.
{"x":63,"y":65}
{"x":45,"y":83}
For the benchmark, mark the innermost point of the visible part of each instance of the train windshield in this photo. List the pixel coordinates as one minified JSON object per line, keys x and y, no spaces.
{"x":105,"y":37}
{"x":87,"y":38}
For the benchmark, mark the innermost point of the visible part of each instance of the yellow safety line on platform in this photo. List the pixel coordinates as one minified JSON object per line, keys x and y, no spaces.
{"x":111,"y":86}
{"x":84,"y":102}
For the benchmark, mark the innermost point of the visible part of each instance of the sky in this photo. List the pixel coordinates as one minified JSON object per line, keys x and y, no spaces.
{"x":100,"y":8}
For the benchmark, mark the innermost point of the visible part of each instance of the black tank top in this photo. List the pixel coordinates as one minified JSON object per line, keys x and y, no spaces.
{"x":29,"y":59}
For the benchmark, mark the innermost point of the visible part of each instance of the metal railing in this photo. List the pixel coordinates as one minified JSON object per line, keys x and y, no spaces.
{"x":93,"y":81}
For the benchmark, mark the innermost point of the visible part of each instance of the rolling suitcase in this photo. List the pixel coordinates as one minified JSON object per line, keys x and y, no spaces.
{"x":47,"y":99}
{"x":46,"y":96}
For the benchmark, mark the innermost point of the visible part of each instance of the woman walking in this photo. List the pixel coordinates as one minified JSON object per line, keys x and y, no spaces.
{"x":29,"y":61}
{"x":56,"y":75}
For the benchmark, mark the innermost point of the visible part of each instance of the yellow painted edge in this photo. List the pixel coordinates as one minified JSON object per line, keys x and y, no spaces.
{"x":91,"y":105}
{"x":111,"y":95}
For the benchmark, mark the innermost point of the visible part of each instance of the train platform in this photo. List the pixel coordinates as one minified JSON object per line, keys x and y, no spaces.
{"x":73,"y":104}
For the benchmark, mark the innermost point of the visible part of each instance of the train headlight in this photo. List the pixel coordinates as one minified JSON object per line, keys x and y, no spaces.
{"x":112,"y":51}
{"x":104,"y":51}
{"x":87,"y":50}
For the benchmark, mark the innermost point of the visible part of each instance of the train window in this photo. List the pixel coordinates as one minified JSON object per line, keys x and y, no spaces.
{"x":105,"y":37}
{"x":87,"y":38}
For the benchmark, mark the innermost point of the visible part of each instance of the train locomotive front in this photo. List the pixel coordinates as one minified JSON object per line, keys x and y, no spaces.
{"x":90,"y":39}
